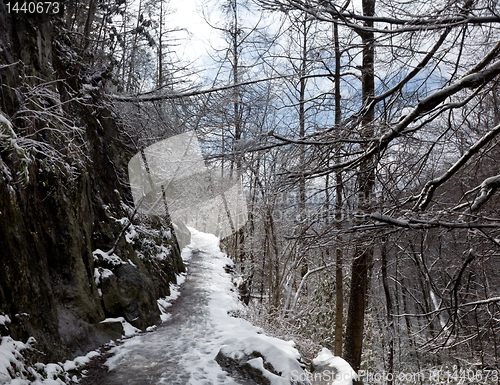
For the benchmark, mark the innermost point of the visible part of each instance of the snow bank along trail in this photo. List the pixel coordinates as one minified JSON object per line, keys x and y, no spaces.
{"x":183,"y":349}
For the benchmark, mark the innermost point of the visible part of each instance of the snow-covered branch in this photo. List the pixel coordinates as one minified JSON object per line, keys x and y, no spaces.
{"x":487,"y":189}
{"x":9,"y":141}
{"x":153,"y":96}
{"x":415,"y":70}
{"x":430,"y":187}
{"x":432,"y":223}
{"x":426,"y":104}
{"x":303,"y":281}
{"x":423,"y":107}
{"x":327,"y":12}
{"x":440,"y":310}
{"x":3,"y":66}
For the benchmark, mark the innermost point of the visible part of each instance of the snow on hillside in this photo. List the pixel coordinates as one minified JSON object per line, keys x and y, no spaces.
{"x":195,"y":333}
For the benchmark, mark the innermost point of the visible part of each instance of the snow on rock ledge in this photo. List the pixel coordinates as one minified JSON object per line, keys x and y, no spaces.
{"x":334,"y":370}
{"x":262,"y":360}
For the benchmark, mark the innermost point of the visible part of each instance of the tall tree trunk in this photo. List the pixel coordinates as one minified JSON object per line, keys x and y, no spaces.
{"x":236,"y":78}
{"x":366,"y":181}
{"x":88,"y":24}
{"x":238,"y":237}
{"x":389,"y":307}
{"x":302,"y":124}
{"x":160,"y":47}
{"x":133,"y":52}
{"x":339,"y":287}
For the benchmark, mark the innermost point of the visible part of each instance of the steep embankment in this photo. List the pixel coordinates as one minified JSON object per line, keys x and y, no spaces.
{"x":63,"y":196}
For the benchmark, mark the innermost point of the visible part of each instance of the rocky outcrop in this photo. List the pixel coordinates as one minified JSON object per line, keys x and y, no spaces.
{"x":323,"y":375}
{"x":63,"y":196}
{"x":255,"y":361}
{"x":242,"y":369}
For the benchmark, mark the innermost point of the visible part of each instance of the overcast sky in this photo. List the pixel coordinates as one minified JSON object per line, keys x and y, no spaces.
{"x":195,"y":45}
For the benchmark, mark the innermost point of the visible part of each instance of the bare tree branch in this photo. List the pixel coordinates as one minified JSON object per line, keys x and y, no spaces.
{"x":142,"y":98}
{"x":474,"y":303}
{"x":424,"y":106}
{"x":326,"y":11}
{"x":428,"y":224}
{"x":488,"y":188}
{"x":430,"y":187}
{"x":302,"y":282}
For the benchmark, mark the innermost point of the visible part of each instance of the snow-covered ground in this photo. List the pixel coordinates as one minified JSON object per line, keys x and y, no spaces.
{"x":15,"y":371}
{"x":194,"y":330}
{"x":183,"y":349}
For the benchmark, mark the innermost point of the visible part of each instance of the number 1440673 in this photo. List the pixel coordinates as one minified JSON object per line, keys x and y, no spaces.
{"x":34,"y":7}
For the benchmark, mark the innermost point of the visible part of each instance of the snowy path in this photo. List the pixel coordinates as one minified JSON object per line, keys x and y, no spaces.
{"x":183,"y":349}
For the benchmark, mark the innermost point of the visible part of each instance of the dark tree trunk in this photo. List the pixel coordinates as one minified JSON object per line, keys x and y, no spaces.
{"x":366,"y":180}
{"x":389,"y":307}
{"x":88,"y":24}
{"x":339,"y":287}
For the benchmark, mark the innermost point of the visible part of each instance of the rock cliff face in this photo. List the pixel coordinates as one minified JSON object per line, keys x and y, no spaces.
{"x":64,"y":201}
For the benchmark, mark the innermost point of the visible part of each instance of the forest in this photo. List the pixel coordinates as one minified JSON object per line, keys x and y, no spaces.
{"x":366,"y":135}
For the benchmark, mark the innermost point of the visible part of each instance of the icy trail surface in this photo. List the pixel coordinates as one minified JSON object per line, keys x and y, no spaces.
{"x":183,"y":349}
